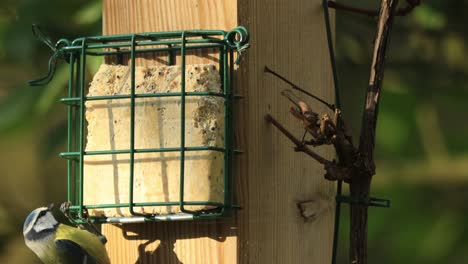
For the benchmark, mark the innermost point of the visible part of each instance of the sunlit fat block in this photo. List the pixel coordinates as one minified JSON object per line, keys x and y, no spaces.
{"x":157,"y":125}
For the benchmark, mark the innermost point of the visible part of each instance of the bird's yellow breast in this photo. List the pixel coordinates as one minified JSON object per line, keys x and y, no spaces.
{"x":86,"y":240}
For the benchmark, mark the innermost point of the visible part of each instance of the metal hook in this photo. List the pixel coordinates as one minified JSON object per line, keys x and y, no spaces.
{"x":50,"y":72}
{"x":240,"y":44}
{"x":58,"y":53}
{"x":41,"y":36}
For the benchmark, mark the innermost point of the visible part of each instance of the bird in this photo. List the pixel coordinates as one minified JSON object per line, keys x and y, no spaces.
{"x":58,"y":243}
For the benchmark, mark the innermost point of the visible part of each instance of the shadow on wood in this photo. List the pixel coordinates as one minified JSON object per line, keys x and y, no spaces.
{"x":158,"y":242}
{"x":164,"y":253}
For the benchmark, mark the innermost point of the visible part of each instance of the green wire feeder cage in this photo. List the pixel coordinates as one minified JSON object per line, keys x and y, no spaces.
{"x":149,"y":143}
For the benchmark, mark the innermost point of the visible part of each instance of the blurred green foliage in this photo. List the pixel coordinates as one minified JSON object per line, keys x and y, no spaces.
{"x":422,"y":151}
{"x":32,"y":123}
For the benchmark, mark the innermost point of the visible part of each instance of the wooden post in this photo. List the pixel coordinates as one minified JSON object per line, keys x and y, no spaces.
{"x":289,"y":37}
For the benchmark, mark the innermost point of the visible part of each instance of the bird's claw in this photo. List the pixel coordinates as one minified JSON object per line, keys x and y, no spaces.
{"x":102,"y":238}
{"x":65,"y":207}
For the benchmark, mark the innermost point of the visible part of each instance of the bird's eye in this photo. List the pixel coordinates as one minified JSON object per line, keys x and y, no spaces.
{"x":42,"y":213}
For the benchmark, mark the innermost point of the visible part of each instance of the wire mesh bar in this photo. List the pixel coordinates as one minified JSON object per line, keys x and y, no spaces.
{"x":171,"y":57}
{"x":171,"y":49}
{"x":226,"y":88}
{"x":169,"y":46}
{"x":82,"y":132}
{"x":72,"y":155}
{"x":76,"y":122}
{"x":229,"y":174}
{"x":70,"y":127}
{"x":182,"y":125}
{"x":144,"y":95}
{"x":123,"y":205}
{"x":156,"y":35}
{"x":132,"y":126}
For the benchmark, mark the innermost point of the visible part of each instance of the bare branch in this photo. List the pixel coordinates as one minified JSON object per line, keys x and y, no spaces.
{"x":361,"y":181}
{"x":295,"y":87}
{"x":334,"y":172}
{"x":296,"y":100}
{"x":369,"y":118}
{"x":303,"y":109}
{"x":403,"y":11}
{"x":299,"y":144}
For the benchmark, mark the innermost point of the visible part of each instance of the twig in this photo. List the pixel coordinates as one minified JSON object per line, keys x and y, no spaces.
{"x":300,"y":146}
{"x":403,"y":11}
{"x":295,"y":87}
{"x":333,"y":171}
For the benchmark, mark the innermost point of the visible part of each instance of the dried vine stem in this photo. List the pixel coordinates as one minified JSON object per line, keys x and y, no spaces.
{"x":356,"y":166}
{"x":360,"y":185}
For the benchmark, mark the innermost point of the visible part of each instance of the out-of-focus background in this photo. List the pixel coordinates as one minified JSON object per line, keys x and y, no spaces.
{"x":422,"y":150}
{"x":32,"y":122}
{"x":422,"y":153}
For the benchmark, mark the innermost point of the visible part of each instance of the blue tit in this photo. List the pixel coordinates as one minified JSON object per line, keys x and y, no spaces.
{"x":61,"y":244}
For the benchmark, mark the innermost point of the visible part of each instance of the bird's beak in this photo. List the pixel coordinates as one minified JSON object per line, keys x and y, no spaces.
{"x":50,"y":206}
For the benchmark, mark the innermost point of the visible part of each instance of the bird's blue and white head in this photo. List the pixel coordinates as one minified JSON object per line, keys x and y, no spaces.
{"x":39,"y":224}
{"x":56,"y":243}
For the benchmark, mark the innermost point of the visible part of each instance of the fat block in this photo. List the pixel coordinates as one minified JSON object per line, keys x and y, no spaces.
{"x":157,"y":125}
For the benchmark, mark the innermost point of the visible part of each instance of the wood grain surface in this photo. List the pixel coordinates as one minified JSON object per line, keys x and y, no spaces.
{"x":270,"y":178}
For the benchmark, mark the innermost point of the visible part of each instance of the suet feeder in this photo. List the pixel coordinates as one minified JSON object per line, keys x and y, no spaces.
{"x":149,"y":143}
